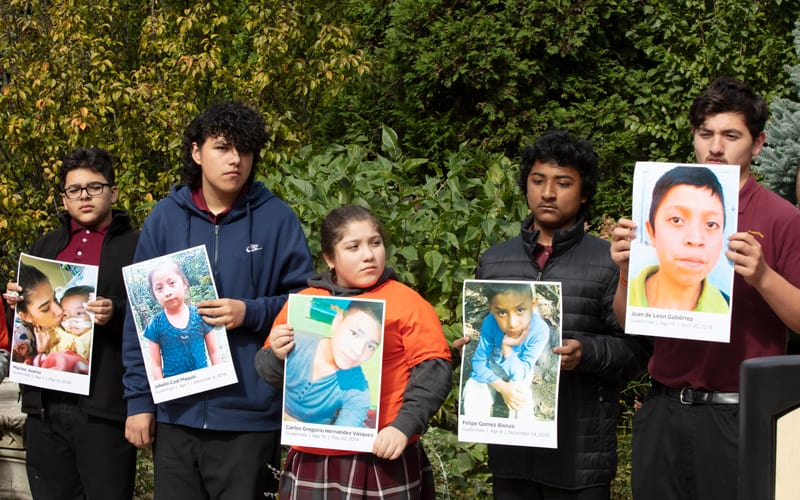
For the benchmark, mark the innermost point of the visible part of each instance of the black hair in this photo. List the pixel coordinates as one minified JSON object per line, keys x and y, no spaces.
{"x":97,"y":160}
{"x":240,"y":125}
{"x":501,"y":287}
{"x":77,"y":290}
{"x":168,"y":264}
{"x":701,"y":177}
{"x":374,"y":309}
{"x":561,"y":148}
{"x":729,"y":95}
{"x":29,"y":278}
{"x":337,"y":219}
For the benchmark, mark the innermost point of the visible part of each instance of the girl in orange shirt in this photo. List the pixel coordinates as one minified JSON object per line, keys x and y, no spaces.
{"x":416,"y":372}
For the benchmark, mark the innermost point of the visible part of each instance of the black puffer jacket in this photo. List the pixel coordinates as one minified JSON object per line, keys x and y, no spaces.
{"x":588,"y":396}
{"x":105,"y":385}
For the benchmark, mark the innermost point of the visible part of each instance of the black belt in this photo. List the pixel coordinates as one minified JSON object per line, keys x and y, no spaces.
{"x":690,"y":396}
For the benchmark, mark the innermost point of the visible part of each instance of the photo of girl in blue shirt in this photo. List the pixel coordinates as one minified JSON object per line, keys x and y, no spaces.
{"x":179,"y":338}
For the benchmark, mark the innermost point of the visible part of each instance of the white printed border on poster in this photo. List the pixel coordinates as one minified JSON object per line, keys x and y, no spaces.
{"x":693,"y":325}
{"x":532,"y":432}
{"x":50,"y":378}
{"x":508,"y":431}
{"x":191,"y":382}
{"x":331,"y":436}
{"x":195,"y":381}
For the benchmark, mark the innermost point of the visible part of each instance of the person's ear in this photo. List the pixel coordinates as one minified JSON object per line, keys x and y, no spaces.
{"x":758,"y":144}
{"x":26,"y":317}
{"x":650,"y":232}
{"x":114,"y":194}
{"x":329,"y":261}
{"x":196,"y":154}
{"x":337,"y":320}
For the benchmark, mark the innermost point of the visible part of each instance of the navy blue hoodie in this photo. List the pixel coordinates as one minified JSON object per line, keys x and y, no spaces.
{"x":258,"y":254}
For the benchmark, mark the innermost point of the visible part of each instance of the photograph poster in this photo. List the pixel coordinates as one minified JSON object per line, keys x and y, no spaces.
{"x":509,"y":373}
{"x":51,"y":340}
{"x":182,"y":353}
{"x":680,"y":282}
{"x":332,"y":379}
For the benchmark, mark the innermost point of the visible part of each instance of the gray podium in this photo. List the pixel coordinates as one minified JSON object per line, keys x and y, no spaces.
{"x":769,"y":429}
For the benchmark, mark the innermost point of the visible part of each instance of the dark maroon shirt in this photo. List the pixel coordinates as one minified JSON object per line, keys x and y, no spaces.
{"x":85,"y":244}
{"x":200,"y":202}
{"x":756,"y":330}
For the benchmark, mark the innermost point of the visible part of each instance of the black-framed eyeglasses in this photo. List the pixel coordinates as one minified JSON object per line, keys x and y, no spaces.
{"x":92,"y":189}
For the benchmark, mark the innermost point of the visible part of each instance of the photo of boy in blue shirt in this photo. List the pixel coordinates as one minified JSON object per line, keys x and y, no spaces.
{"x":512,"y":338}
{"x":325,"y":383}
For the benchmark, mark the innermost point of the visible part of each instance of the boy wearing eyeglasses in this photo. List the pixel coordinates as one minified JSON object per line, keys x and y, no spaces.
{"x":76,"y":446}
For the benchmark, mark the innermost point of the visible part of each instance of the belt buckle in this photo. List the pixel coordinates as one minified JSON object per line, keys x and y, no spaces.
{"x":686,"y":396}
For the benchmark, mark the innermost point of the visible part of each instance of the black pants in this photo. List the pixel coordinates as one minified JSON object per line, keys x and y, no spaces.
{"x":223,"y":465}
{"x":684,"y":452}
{"x":521,"y":489}
{"x":71,"y":455}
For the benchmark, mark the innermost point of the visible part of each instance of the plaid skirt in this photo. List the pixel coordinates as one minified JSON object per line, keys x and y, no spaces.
{"x":310,"y":476}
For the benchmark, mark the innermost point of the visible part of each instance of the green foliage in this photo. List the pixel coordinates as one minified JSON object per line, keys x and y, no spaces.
{"x":459,"y":468}
{"x":143,"y":488}
{"x":439,"y":217}
{"x":777,"y":165}
{"x":498,"y":73}
{"x":129,"y":76}
{"x":464,"y":82}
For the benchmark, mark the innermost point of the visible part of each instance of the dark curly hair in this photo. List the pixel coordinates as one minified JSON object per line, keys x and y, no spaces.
{"x":561,"y":148}
{"x":97,"y":160}
{"x":239,"y":124}
{"x":729,"y":95}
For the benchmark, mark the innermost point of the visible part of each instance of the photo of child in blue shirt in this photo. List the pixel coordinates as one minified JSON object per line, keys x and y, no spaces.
{"x":179,"y":338}
{"x":325,"y":383}
{"x":512,"y":337}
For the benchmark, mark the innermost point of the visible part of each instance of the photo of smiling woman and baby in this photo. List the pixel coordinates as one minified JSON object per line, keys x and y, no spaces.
{"x":52,"y":328}
{"x":684,"y":215}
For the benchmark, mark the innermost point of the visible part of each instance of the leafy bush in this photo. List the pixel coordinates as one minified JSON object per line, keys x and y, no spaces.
{"x":439,"y":217}
{"x":498,"y":73}
{"x":129,"y":76}
{"x":464,"y":82}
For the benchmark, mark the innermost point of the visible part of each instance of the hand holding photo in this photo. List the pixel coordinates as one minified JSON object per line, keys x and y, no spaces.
{"x":681,"y":282}
{"x":183,"y":354}
{"x":52,"y":329}
{"x":332,"y":374}
{"x":509,"y":372}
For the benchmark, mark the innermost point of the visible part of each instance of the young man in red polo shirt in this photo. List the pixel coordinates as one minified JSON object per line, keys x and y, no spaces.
{"x":76,"y":446}
{"x":685,"y":442}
